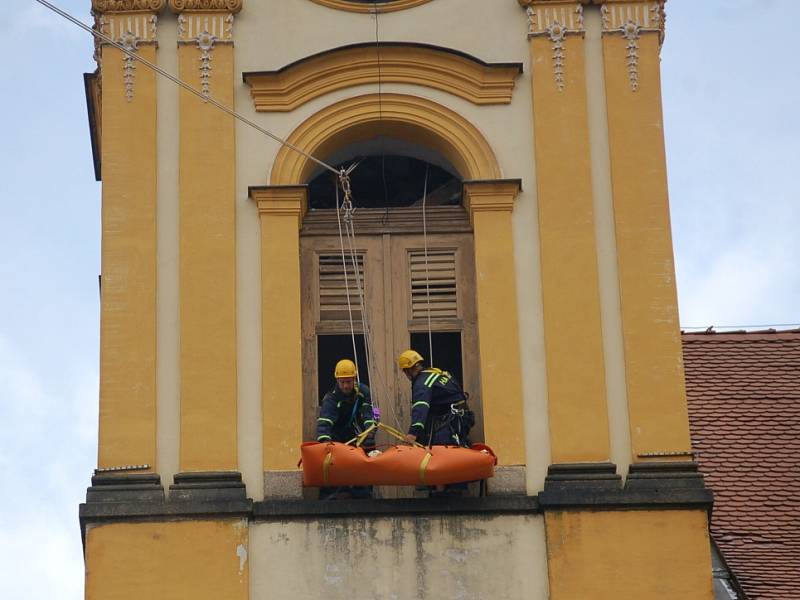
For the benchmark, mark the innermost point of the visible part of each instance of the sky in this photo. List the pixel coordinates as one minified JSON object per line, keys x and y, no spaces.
{"x":732,"y":128}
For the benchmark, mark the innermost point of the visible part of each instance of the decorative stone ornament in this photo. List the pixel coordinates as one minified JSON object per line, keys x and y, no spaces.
{"x":228,"y":6}
{"x":131,"y":24}
{"x":555,"y":20}
{"x":130,"y":42}
{"x":205,"y":23}
{"x":205,"y":30}
{"x":124,"y":6}
{"x":631,"y":19}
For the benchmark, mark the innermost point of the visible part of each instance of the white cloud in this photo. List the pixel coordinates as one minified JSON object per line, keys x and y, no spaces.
{"x":49,"y":432}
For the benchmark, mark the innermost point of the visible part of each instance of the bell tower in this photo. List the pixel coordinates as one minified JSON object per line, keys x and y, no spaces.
{"x":515,"y":145}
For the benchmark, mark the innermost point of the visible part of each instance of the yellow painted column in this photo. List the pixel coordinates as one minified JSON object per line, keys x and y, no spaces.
{"x":127,"y":433}
{"x":280,"y":210}
{"x":490,"y":204}
{"x":203,"y":560}
{"x":576,"y":386}
{"x":208,"y":440}
{"x":653,"y":362}
{"x":642,"y":555}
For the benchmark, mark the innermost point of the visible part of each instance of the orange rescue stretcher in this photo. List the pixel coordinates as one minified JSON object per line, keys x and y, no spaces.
{"x":332,"y":464}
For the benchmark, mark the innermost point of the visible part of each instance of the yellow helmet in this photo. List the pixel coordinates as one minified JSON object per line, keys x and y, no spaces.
{"x":345,"y":368}
{"x":409,"y":358}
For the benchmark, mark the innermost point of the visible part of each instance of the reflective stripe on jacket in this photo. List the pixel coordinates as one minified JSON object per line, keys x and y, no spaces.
{"x":341,"y":418}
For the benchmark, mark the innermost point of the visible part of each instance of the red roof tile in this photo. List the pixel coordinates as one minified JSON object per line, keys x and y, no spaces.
{"x":744,"y":409}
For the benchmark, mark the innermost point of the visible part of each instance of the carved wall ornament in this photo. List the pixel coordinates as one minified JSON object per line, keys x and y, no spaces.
{"x":129,"y":30}
{"x":130,"y":42}
{"x":205,"y":30}
{"x":631,"y":32}
{"x":631,"y":19}
{"x":205,"y":41}
{"x":123,"y":6}
{"x":556,"y":22}
{"x":229,"y":6}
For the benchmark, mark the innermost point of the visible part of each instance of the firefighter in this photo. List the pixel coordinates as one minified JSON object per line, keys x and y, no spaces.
{"x":345,"y":412}
{"x":439,"y":412}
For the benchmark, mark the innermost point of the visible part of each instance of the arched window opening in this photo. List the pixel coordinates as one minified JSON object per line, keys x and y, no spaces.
{"x":389,"y":174}
{"x":418,"y":283}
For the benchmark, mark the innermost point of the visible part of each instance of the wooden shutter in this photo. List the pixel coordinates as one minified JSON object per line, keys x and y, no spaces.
{"x":440,"y":281}
{"x":333,"y":286}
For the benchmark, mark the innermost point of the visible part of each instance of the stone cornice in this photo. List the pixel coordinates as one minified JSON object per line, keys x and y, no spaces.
{"x":431,"y":66}
{"x":491,"y":195}
{"x":280,"y":200}
{"x":125,"y":6}
{"x":226,"y":6}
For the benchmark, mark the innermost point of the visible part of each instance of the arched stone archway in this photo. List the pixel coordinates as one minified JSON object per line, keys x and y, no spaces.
{"x":399,"y":116}
{"x":489,"y":202}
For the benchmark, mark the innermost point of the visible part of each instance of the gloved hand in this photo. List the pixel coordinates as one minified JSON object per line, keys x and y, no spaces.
{"x":373,"y":453}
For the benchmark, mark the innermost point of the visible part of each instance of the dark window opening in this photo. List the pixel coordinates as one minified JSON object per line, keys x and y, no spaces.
{"x":330,"y":350}
{"x":386,"y":182}
{"x":446,"y":351}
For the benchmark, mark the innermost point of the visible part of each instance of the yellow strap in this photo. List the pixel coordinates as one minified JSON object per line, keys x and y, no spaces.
{"x":326,"y":464}
{"x":424,"y":465}
{"x":359,"y":439}
{"x":397,"y":433}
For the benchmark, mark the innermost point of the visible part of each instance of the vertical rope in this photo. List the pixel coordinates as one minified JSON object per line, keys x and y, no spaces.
{"x":427,"y":274}
{"x":346,"y":284}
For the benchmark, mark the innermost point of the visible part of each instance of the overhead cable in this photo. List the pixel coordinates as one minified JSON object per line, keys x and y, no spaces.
{"x":183,"y":84}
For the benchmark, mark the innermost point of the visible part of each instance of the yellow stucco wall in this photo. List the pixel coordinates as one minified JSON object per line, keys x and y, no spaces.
{"x":653,"y":361}
{"x":128,"y":299}
{"x":280,"y":209}
{"x":201,"y":560}
{"x":207,"y":267}
{"x":573,"y":335}
{"x":628,"y":555}
{"x":490,"y":205}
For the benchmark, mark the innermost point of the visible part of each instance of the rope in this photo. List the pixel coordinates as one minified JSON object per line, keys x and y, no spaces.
{"x":348,"y":209}
{"x":347,"y":288}
{"x":427,"y":276}
{"x":183,"y":84}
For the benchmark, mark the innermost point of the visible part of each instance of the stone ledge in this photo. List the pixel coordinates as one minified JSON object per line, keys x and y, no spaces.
{"x":655,"y":486}
{"x":207,"y":486}
{"x":125,"y":487}
{"x":93,"y":512}
{"x":272,"y":509}
{"x":588,"y":499}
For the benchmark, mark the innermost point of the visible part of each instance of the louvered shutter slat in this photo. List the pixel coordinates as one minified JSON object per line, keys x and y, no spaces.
{"x":333,"y":288}
{"x":433,"y":288}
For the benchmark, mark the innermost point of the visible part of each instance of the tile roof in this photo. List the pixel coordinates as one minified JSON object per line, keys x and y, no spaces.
{"x":744,"y":409}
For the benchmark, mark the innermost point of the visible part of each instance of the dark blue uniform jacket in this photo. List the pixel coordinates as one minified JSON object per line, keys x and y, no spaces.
{"x":433,"y":392}
{"x":341,"y":418}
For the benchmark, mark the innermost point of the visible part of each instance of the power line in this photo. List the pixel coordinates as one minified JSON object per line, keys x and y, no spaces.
{"x":183,"y":84}
{"x":763,"y":326}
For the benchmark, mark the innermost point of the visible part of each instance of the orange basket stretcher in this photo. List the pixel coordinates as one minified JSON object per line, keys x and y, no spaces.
{"x":332,"y":464}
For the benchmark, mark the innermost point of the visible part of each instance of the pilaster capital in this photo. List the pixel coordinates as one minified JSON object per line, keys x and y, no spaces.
{"x":280,"y":200}
{"x":554,"y":18}
{"x":226,"y":6}
{"x":127,"y":6}
{"x":490,"y":195}
{"x":129,"y":23}
{"x":630,"y":19}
